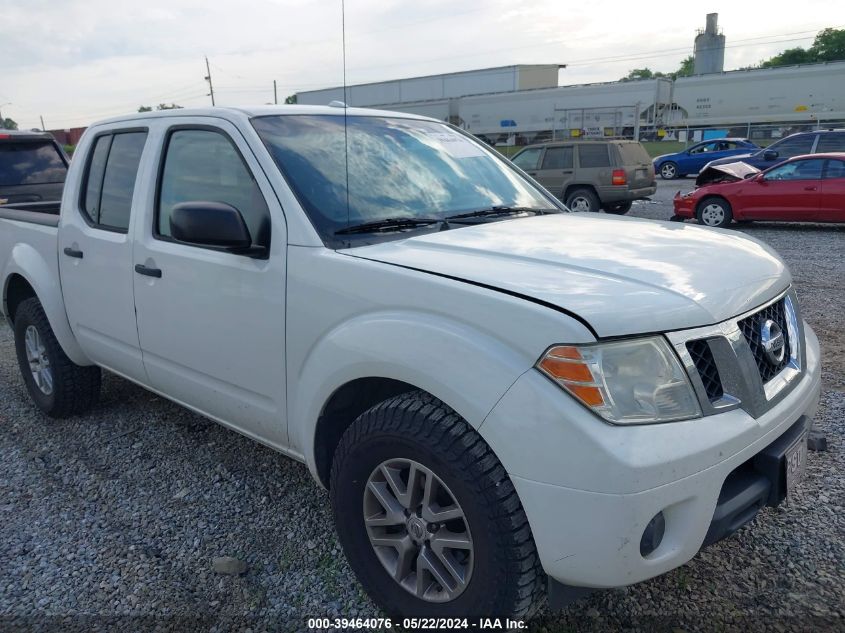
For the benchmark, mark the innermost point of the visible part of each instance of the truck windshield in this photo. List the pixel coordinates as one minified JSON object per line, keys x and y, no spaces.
{"x":398,"y":168}
{"x":28,"y":163}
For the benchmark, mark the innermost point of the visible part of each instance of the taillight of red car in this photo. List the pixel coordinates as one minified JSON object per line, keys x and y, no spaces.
{"x":619,"y":177}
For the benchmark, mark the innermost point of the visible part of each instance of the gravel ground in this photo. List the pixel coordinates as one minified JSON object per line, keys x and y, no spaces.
{"x":114,"y":519}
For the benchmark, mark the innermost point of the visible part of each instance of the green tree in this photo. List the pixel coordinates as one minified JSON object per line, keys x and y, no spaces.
{"x":145,"y":109}
{"x":829,"y":45}
{"x":8,"y":124}
{"x":290,"y":99}
{"x":686,"y":68}
{"x":790,"y":57}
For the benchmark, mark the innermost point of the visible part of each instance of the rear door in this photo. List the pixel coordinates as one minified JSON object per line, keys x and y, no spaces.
{"x":556,"y":169}
{"x":95,"y":251}
{"x":212,"y":323}
{"x":788,"y":192}
{"x":832,"y":206}
{"x":594,"y":166}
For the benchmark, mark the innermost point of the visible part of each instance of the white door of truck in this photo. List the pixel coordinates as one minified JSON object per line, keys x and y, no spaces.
{"x":211,"y":323}
{"x":95,"y":251}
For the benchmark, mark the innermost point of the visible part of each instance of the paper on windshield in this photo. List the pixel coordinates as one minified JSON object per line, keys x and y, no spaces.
{"x":454,"y":144}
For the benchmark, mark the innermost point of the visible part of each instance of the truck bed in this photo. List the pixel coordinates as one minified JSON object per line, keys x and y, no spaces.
{"x":43,"y":213}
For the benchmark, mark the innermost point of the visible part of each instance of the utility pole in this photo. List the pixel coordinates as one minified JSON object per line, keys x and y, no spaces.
{"x":275,"y":93}
{"x":208,"y":79}
{"x":43,"y":128}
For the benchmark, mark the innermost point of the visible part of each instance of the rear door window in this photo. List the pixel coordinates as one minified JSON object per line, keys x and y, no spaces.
{"x":834,"y":169}
{"x":789,"y":147}
{"x":558,"y":158}
{"x":593,"y":155}
{"x":831,"y":143}
{"x":110,"y":179}
{"x":31,"y":163}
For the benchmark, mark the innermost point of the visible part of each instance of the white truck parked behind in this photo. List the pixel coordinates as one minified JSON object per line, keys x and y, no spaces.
{"x":503,"y":398}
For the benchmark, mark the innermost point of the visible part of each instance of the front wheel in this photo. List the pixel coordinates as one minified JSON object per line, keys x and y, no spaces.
{"x":429,"y":519}
{"x":58,"y":387}
{"x":668,"y":171}
{"x":715,"y":212}
{"x":583,"y":200}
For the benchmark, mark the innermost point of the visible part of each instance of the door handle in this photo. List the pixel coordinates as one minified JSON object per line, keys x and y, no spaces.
{"x":566,"y":171}
{"x":531,"y":173}
{"x":72,"y":252}
{"x":148,"y":272}
{"x":809,"y":188}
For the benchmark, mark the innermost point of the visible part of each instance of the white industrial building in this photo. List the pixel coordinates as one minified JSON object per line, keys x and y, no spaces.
{"x":526,"y":102}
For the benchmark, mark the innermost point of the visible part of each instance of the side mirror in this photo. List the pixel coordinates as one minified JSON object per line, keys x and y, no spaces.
{"x":214,"y":224}
{"x":761,"y":177}
{"x":769,"y":155}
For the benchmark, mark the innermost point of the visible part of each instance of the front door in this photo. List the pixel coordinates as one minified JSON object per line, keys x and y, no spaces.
{"x":789,"y":192}
{"x":212,"y":323}
{"x":556,"y":169}
{"x":95,"y":251}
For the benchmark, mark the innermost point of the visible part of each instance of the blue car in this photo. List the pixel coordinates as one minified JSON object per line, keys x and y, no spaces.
{"x":815,"y":142}
{"x":693,"y":159}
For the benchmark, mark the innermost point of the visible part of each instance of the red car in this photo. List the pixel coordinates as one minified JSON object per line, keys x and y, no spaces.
{"x":808,"y":188}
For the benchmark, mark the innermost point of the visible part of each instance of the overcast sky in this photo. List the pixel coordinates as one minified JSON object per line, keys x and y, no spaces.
{"x":76,"y":61}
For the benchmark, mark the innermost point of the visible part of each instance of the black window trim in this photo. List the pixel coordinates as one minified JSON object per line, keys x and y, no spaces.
{"x":160,"y":176}
{"x":83,"y":190}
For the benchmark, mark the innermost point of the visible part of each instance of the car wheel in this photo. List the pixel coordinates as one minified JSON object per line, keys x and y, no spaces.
{"x":582,"y":200}
{"x":715,"y":212}
{"x":669,"y":171}
{"x":58,"y":386}
{"x":618,"y":208}
{"x":429,"y":519}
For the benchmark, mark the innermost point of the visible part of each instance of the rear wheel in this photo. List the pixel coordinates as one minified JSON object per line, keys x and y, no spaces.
{"x":583,"y":200}
{"x":715,"y":212}
{"x":618,"y":208}
{"x":58,"y":386}
{"x":669,"y":171}
{"x":428,"y":517}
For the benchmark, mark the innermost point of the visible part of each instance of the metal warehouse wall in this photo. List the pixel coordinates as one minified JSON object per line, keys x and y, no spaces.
{"x":437,"y":87}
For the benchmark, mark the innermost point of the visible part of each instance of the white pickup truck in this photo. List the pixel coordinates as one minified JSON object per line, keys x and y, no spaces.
{"x":503,"y":398}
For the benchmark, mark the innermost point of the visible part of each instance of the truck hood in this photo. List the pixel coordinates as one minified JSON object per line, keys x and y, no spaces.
{"x":621,"y":275}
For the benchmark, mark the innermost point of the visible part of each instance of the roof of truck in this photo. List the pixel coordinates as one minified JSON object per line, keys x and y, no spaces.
{"x":255,"y":111}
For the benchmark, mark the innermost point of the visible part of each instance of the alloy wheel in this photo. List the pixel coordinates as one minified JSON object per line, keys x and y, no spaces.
{"x":418,"y":530}
{"x":39,"y":363}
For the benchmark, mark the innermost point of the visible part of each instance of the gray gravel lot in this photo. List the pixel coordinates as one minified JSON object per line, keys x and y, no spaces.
{"x":114,"y":519}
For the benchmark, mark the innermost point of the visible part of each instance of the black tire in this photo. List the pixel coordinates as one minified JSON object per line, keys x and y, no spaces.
{"x":669,"y":170}
{"x":714,"y":212}
{"x":506,"y":578}
{"x":584,"y":199}
{"x":617,"y":208}
{"x":75,"y":389}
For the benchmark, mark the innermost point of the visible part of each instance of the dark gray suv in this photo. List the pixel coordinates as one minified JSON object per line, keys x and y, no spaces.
{"x":32,"y":167}
{"x":591,"y":175}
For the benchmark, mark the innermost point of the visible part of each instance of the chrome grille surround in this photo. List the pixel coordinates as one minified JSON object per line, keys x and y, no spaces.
{"x":743,"y":386}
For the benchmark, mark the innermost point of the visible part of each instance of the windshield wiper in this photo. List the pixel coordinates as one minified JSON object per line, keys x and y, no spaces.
{"x":494,"y":211}
{"x":387,"y":224}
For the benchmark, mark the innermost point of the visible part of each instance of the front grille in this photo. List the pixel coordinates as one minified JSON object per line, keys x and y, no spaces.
{"x":702,"y":357}
{"x":750,"y":327}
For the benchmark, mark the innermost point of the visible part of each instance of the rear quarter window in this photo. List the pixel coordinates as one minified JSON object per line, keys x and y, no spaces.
{"x":633,"y":154}
{"x":28,"y":163}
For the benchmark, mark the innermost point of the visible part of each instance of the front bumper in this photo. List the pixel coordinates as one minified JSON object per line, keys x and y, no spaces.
{"x":589,"y":489}
{"x":684,"y":205}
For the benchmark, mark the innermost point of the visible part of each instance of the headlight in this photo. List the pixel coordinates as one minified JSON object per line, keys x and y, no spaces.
{"x":639,"y":381}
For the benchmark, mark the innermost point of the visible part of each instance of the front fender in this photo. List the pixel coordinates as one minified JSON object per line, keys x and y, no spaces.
{"x":463,"y":367}
{"x":26,"y":261}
